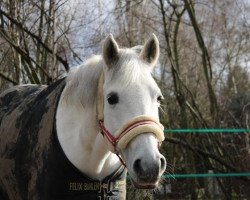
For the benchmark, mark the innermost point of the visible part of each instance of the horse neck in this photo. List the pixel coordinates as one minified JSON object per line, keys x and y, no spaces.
{"x":79,"y":137}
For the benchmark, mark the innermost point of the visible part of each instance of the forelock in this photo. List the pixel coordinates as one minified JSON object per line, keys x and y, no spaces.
{"x":130,"y":68}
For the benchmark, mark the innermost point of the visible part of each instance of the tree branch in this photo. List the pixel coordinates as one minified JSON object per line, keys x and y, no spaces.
{"x":207,"y":67}
{"x":38,"y":39}
{"x":8,"y":79}
{"x":22,"y":52}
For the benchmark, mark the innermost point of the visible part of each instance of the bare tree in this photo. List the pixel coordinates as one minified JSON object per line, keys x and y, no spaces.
{"x":203,"y":70}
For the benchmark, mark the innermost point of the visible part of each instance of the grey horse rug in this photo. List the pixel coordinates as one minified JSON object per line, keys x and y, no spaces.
{"x":32,"y":164}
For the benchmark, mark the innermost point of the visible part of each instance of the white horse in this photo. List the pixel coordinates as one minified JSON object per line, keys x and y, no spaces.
{"x":129,"y":91}
{"x":106,"y":118}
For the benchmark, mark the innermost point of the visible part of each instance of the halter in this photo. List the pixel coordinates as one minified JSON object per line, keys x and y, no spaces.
{"x":136,"y":126}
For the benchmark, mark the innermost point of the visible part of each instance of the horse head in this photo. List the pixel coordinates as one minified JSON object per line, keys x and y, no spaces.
{"x":128,"y":103}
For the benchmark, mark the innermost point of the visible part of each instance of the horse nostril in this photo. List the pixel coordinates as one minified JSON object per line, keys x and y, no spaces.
{"x":163,"y":164}
{"x":137,"y":166}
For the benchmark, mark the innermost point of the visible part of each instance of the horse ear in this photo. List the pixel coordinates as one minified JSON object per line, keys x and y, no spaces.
{"x":110,"y":51}
{"x":151,"y":50}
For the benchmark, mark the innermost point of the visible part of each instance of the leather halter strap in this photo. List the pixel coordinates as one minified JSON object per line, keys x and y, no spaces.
{"x":113,"y":140}
{"x":136,"y":126}
{"x":100,"y":98}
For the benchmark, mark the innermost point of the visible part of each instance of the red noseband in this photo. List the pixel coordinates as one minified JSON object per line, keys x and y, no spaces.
{"x":113,"y":140}
{"x":138,"y":125}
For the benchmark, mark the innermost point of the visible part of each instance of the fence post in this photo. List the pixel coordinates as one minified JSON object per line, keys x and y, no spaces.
{"x":212,"y":187}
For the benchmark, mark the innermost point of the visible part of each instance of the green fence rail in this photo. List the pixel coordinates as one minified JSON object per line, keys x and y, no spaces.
{"x":207,"y":131}
{"x":177,"y":176}
{"x":212,"y":130}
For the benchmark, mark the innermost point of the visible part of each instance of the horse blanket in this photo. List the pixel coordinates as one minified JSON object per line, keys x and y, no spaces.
{"x":32,"y":162}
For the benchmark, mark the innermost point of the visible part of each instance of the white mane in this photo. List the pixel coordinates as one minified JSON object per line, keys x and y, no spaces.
{"x":83,"y":80}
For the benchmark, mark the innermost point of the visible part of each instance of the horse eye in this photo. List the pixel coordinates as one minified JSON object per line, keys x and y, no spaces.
{"x":113,"y":98}
{"x":159,"y":99}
